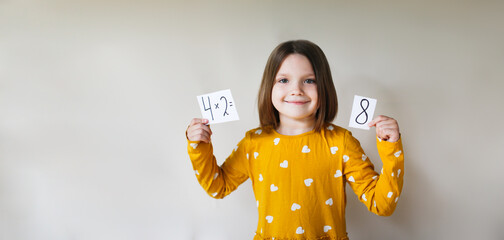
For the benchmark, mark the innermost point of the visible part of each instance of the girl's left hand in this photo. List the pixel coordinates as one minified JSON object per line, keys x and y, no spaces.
{"x":386,"y":128}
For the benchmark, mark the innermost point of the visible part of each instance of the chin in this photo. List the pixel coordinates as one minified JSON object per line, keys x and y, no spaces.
{"x":301,"y":116}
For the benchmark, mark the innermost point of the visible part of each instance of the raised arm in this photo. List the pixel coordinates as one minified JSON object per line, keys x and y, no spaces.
{"x":379,"y":192}
{"x":217,"y":181}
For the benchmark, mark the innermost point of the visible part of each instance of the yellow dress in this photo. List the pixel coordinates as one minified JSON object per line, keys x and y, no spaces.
{"x":299,"y":181}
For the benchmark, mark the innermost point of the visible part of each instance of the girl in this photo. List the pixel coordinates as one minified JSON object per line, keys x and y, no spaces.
{"x":297,"y":160}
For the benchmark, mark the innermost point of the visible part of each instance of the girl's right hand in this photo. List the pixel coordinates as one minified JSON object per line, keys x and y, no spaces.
{"x":198,"y":131}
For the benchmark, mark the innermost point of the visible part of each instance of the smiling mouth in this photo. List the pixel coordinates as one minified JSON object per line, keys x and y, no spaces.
{"x":297,"y":102}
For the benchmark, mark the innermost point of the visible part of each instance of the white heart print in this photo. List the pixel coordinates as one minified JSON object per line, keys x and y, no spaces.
{"x":236,"y":148}
{"x":258,"y":132}
{"x":247,"y":156}
{"x":256,"y":154}
{"x":299,"y":230}
{"x":196,"y":172}
{"x":329,"y":202}
{"x":194,"y":145}
{"x":308,"y":182}
{"x":364,"y":197}
{"x":389,"y":195}
{"x":338,"y":174}
{"x":215,"y":175}
{"x":327,"y":228}
{"x":397,"y":154}
{"x":214,"y":194}
{"x":305,"y":149}
{"x":276,"y":141}
{"x":364,"y":157}
{"x":295,"y":207}
{"x":398,"y":172}
{"x":260,"y":177}
{"x":330,"y":128}
{"x":351,"y":179}
{"x":284,"y":164}
{"x":273,"y":188}
{"x":269,"y":219}
{"x":334,"y":150}
{"x":346,"y":158}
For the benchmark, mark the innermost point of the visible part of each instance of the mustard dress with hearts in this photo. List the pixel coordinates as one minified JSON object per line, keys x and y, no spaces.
{"x":299,"y":181}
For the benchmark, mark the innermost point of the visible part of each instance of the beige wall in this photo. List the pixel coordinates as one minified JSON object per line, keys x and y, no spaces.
{"x":95,"y":97}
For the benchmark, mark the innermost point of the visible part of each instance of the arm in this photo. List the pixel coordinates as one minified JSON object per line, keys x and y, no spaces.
{"x":217,"y":181}
{"x":379,"y":193}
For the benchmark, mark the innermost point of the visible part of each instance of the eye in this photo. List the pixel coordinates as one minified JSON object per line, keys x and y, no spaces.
{"x":310,"y":81}
{"x":283,"y":80}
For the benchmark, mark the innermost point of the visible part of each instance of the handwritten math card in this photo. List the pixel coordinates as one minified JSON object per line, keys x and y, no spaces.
{"x":218,"y":107}
{"x":362,"y":112}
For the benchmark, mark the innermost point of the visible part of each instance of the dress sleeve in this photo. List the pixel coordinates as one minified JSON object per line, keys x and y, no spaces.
{"x":379,"y":192}
{"x":218,"y":181}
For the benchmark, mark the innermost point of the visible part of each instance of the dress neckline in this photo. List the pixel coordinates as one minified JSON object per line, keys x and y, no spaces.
{"x":292,"y":136}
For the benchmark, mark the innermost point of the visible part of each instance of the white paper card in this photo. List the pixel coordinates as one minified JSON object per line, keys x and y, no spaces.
{"x":362,"y":112}
{"x":218,"y":107}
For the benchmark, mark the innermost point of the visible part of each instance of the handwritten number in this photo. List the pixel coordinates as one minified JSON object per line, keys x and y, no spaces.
{"x":225,"y":110}
{"x":209,"y":106}
{"x":364,"y":111}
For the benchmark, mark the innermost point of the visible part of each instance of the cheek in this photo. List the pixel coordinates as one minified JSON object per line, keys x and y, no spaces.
{"x":314,"y":95}
{"x":274,"y":96}
{"x":316,"y":104}
{"x":276,"y":93}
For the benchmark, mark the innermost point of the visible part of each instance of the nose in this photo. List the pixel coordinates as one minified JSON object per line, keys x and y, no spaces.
{"x":297,"y":89}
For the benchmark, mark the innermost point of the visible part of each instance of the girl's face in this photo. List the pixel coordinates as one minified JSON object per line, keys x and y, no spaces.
{"x":294,"y":93}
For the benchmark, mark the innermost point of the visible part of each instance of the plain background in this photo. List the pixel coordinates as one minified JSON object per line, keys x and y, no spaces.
{"x":95,"y":97}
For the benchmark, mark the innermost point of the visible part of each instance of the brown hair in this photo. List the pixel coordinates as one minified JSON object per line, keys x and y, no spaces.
{"x":327,"y":98}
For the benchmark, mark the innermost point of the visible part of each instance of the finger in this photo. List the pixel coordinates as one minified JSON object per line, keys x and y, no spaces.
{"x":387,"y":122}
{"x":383,"y":136}
{"x":392,"y":135}
{"x":204,"y":137}
{"x":195,"y":121}
{"x":207,"y":128}
{"x":387,"y":126}
{"x":198,"y":123}
{"x":377,"y":120}
{"x":199,"y":135}
{"x":384,"y":132}
{"x":202,"y":125}
{"x":380,"y":134}
{"x":199,"y":128}
{"x":194,"y":132}
{"x":388,"y":134}
{"x":201,"y":138}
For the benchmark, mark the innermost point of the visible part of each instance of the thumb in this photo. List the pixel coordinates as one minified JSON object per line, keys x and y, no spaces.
{"x":205,"y":121}
{"x":372,"y":123}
